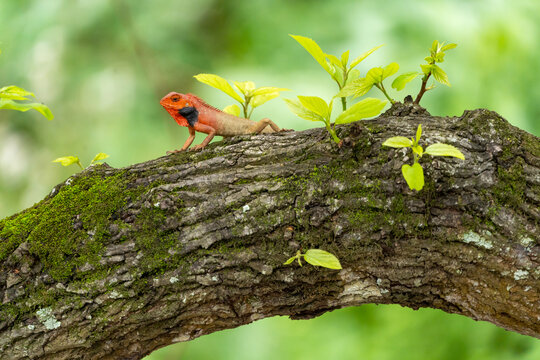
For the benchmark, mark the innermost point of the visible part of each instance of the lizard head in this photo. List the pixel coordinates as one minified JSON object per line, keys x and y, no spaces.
{"x":175,"y":101}
{"x":180,"y":107}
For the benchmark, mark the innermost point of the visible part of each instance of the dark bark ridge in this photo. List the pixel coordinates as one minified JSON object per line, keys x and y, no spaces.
{"x":115,"y":263}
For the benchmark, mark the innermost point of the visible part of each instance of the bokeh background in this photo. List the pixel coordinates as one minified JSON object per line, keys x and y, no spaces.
{"x":102,"y":66}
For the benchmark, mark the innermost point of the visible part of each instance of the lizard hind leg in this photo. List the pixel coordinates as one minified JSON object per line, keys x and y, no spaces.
{"x":259,"y":126}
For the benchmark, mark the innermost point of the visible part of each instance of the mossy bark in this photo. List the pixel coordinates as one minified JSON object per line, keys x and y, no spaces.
{"x":115,"y":263}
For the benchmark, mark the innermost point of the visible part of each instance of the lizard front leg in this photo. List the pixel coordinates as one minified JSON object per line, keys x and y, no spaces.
{"x":205,"y":129}
{"x":188,"y":142}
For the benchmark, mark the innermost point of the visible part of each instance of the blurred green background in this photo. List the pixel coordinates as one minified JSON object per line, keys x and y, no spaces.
{"x":102,"y":66}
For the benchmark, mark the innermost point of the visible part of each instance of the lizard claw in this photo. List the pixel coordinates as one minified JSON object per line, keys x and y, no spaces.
{"x":285,"y":130}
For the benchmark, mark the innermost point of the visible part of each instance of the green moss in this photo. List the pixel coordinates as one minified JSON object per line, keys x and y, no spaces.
{"x":68,"y":229}
{"x":510,"y":189}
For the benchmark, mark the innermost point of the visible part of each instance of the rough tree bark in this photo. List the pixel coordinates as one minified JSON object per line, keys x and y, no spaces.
{"x":115,"y":263}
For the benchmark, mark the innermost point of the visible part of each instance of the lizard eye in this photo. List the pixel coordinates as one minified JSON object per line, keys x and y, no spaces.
{"x":175,"y":98}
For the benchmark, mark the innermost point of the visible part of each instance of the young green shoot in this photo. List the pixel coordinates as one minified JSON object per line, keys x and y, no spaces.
{"x":70,"y":160}
{"x":339,"y":69}
{"x":414,"y":175}
{"x":247,"y":95}
{"x":437,"y":53}
{"x":316,"y":257}
{"x":374,"y":77}
{"x":313,"y":108}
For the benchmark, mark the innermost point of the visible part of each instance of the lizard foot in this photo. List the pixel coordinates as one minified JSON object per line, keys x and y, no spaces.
{"x":173,"y":152}
{"x":196,"y":148}
{"x":285,"y":130}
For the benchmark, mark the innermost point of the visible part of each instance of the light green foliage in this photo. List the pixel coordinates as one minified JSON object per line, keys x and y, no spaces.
{"x":98,"y":157}
{"x":70,"y":160}
{"x":437,"y":53}
{"x":232,"y":109}
{"x":316,"y":257}
{"x":374,"y":77}
{"x":402,"y":80}
{"x":414,"y":175}
{"x":11,"y":95}
{"x":366,"y":108}
{"x":338,"y":68}
{"x":248,"y":95}
{"x":313,"y":108}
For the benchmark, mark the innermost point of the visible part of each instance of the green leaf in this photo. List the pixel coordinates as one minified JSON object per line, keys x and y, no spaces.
{"x":245,"y":87}
{"x":315,"y":104}
{"x":374,"y":76}
{"x":219,"y":83}
{"x":429,"y":59}
{"x":398,"y":142}
{"x":400,"y":82}
{"x":334,"y":60}
{"x":440,"y":75}
{"x":345,"y":59}
{"x":338,"y":74}
{"x":418,"y":150}
{"x":267,"y":90}
{"x":296,"y":107}
{"x":14,"y":93}
{"x":232,"y":109}
{"x":439,"y":57}
{"x":426,"y":69}
{"x":322,"y":258}
{"x":439,"y":149}
{"x":258,"y":100}
{"x":12,"y":105}
{"x":358,"y":87}
{"x":314,"y":49}
{"x":418,"y":133}
{"x":448,"y":47}
{"x":390,"y":70}
{"x":363,"y":109}
{"x":434,"y":46}
{"x":360,"y":58}
{"x":353,"y":75}
{"x":414,"y":176}
{"x":290,"y":260}
{"x":99,"y":156}
{"x":68,"y":160}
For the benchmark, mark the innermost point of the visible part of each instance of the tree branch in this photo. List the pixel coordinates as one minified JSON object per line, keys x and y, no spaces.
{"x":115,"y":263}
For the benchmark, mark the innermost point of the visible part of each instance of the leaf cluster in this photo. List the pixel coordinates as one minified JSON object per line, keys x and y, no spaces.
{"x":316,"y":257}
{"x":10,"y":97}
{"x":70,"y":160}
{"x":414,"y":175}
{"x":246,"y":94}
{"x":314,"y":108}
{"x":339,"y":69}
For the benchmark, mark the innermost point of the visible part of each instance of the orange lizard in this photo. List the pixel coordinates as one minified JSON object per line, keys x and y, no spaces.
{"x":190,"y":111}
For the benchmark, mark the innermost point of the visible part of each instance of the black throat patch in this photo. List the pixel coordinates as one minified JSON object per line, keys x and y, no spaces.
{"x":190,"y":113}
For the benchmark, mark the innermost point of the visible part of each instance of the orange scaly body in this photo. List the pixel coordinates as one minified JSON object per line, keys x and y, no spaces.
{"x":190,"y":111}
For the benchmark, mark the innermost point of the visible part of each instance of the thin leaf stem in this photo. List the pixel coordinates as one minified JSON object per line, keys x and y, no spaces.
{"x":422,"y":88}
{"x":332,"y":132}
{"x":344,"y":103}
{"x":380,"y":86}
